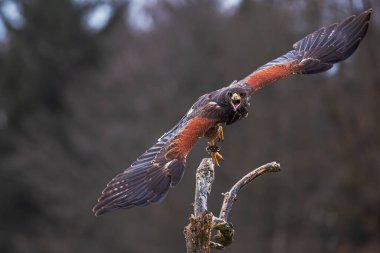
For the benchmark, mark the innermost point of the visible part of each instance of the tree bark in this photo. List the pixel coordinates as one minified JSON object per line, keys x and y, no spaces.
{"x":198,"y":232}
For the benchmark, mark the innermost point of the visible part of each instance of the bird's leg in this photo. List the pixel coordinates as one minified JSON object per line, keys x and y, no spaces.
{"x":214,"y":151}
{"x":220,"y":135}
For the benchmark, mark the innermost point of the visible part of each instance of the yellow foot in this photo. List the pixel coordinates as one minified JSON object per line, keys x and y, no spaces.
{"x":220,"y":135}
{"x":214,"y":151}
{"x":215,"y":156}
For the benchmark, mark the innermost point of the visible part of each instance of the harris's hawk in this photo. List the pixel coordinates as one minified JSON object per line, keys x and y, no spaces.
{"x":148,"y":179}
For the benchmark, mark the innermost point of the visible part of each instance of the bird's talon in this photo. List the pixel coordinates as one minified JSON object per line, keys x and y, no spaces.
{"x":214,"y":150}
{"x":218,"y":155}
{"x":220,"y":134}
{"x":215,"y":159}
{"x":215,"y":155}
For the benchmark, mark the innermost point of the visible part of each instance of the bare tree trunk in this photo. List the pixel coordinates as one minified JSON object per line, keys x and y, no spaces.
{"x":198,"y":232}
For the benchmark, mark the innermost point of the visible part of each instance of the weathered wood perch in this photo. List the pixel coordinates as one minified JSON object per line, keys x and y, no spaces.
{"x":198,"y":232}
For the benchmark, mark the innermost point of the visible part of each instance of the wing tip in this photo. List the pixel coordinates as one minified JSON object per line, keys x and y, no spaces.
{"x":97,"y":211}
{"x":140,"y":186}
{"x":367,"y":14}
{"x":102,"y":208}
{"x":369,"y":11}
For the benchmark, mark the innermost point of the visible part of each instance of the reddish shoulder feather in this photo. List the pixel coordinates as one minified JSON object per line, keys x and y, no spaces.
{"x":262,"y":77}
{"x":181,"y":145}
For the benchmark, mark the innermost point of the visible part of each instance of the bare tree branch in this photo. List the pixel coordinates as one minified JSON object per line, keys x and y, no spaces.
{"x":230,"y":197}
{"x":225,"y":228}
{"x":202,"y":222}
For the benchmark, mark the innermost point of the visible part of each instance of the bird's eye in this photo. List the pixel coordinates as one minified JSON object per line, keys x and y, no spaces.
{"x":229,"y":94}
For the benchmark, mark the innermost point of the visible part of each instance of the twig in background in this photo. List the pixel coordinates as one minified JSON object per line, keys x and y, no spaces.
{"x":226,"y":231}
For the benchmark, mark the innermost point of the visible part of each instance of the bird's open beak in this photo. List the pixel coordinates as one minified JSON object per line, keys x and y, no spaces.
{"x":235,"y":100}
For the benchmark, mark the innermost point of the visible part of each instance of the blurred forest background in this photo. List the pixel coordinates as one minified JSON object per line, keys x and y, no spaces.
{"x":87,"y":86}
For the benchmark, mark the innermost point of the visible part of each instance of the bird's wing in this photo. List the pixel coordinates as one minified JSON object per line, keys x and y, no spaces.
{"x":317,"y":52}
{"x":148,"y":179}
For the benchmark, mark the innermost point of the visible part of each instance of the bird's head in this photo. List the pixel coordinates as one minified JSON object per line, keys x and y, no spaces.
{"x":236,"y":98}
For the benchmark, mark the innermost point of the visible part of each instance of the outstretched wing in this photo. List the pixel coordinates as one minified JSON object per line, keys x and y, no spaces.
{"x":148,"y":179}
{"x":317,"y":52}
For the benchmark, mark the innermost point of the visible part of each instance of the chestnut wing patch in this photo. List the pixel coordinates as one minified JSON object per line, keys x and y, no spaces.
{"x":272,"y":72}
{"x":180,"y":146}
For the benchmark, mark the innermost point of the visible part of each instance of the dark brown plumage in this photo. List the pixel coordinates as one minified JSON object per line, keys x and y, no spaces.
{"x":148,"y":179}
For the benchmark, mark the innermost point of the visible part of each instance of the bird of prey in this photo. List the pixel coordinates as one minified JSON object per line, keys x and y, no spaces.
{"x":148,"y":179}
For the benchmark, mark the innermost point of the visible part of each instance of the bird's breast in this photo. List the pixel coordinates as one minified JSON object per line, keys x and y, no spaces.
{"x":233,"y":116}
